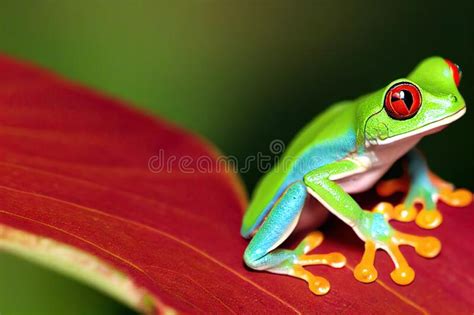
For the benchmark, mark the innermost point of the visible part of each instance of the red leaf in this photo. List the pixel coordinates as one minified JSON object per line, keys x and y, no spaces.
{"x":75,"y":186}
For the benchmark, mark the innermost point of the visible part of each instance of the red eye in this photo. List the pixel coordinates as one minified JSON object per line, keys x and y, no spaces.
{"x":402,"y":101}
{"x":455,"y":71}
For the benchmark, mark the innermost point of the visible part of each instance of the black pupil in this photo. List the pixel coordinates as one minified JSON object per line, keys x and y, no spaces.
{"x":405,"y":96}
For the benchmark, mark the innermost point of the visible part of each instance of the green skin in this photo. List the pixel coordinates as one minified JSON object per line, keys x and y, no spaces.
{"x":347,"y":149}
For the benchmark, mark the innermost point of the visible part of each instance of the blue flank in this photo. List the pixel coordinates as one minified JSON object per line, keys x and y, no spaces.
{"x":314,"y":157}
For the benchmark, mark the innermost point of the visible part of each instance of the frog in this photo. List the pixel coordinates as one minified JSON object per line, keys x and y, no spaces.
{"x":345,"y":150}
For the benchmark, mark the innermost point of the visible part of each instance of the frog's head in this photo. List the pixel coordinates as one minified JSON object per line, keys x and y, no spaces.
{"x":422,"y":103}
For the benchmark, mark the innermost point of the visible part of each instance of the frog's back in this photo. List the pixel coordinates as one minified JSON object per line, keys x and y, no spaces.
{"x":329,"y":137}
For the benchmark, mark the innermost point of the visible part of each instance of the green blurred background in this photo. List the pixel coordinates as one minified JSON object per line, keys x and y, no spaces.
{"x":244,"y":73}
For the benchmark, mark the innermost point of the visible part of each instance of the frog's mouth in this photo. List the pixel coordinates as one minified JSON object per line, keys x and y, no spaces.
{"x":425,"y":130}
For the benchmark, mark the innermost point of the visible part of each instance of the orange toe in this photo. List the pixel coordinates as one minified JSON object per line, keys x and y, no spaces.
{"x":429,"y":219}
{"x":456,"y":198}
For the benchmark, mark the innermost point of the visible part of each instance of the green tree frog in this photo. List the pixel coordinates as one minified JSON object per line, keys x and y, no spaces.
{"x":345,"y":150}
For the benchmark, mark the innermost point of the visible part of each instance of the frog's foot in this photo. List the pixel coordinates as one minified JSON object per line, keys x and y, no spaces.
{"x":425,"y":193}
{"x":294,"y":267}
{"x":399,"y":213}
{"x":378,"y":234}
{"x":448,"y":194}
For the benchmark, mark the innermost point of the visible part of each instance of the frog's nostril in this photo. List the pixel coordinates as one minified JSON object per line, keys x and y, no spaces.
{"x":453,"y":98}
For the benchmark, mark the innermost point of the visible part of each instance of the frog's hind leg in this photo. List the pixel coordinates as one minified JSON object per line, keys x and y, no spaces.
{"x":261,"y":253}
{"x":318,"y":285}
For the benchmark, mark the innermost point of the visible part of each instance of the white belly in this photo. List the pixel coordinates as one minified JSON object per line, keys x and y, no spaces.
{"x":382,"y":158}
{"x":364,"y":181}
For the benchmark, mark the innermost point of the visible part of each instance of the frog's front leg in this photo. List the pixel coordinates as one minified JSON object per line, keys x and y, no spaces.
{"x":371,"y":227}
{"x":281,"y":221}
{"x":425,"y":188}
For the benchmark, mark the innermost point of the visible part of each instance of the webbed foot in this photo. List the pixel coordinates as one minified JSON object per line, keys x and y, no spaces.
{"x":374,"y":229}
{"x":426,"y":191}
{"x":299,"y":258}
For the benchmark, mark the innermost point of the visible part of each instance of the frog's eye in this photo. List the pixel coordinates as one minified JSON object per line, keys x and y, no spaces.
{"x":455,"y":71}
{"x":402,"y":101}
